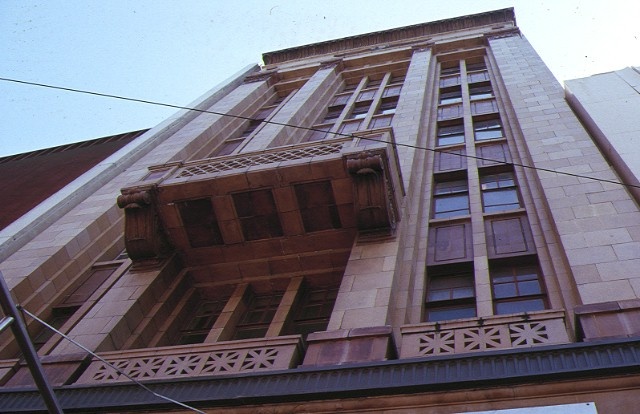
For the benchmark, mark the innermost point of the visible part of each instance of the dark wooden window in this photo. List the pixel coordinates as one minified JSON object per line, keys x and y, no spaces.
{"x":508,"y":236}
{"x":493,"y":154}
{"x":517,"y":288}
{"x":476,"y":64}
{"x":313,"y":310}
{"x":449,"y":68}
{"x":374,"y":83}
{"x":380,"y":121}
{"x":351,"y":126}
{"x":450,"y":112}
{"x":448,"y":81}
{"x":258,"y":215}
{"x":360,"y":110}
{"x":82,"y":293}
{"x":450,"y":95}
{"x":256,"y":319}
{"x":487,"y":129}
{"x":230,"y":144}
{"x":450,"y":134}
{"x":392,"y":91}
{"x":450,"y":199}
{"x":366,"y":95}
{"x":499,"y":192}
{"x":320,"y":132}
{"x":59,"y":316}
{"x":450,"y":159}
{"x":317,"y":206}
{"x":203,"y":315}
{"x":450,"y":293}
{"x":387,"y":106}
{"x":480,"y":91}
{"x":333,"y":112}
{"x":449,"y":243}
{"x":200,"y":222}
{"x":341,"y":99}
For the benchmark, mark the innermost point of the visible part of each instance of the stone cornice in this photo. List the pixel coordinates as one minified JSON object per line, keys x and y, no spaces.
{"x":393,"y":35}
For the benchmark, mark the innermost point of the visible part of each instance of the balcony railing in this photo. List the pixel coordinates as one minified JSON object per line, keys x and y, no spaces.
{"x":231,"y":357}
{"x":484,"y":334}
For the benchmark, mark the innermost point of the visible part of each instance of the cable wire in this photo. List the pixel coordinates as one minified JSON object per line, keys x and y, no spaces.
{"x":135,"y":381}
{"x":395,"y":144}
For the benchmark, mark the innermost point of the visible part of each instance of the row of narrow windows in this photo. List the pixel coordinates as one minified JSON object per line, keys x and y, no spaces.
{"x":467,"y":104}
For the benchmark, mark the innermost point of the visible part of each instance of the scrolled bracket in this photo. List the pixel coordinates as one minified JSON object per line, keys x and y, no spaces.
{"x":144,"y":237}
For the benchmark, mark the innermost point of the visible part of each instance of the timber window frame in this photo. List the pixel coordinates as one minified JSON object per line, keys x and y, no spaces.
{"x":517,"y":287}
{"x":450,"y":197}
{"x":499,"y":192}
{"x":450,"y":293}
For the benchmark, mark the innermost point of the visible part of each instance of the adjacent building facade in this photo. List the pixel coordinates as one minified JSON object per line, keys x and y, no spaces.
{"x":412,"y":220}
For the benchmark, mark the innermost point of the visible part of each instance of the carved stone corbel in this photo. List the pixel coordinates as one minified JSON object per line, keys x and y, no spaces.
{"x":144,"y":238}
{"x":371,"y":192}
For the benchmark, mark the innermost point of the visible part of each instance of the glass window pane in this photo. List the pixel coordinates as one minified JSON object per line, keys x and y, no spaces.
{"x":500,"y":200}
{"x":451,"y":187}
{"x":451,"y":140}
{"x":463,"y":292}
{"x":366,"y":95}
{"x":488,"y":134}
{"x":531,"y":287}
{"x":436,"y":315}
{"x":530,"y":305}
{"x":507,"y":290}
{"x":436,"y":295}
{"x":349,"y":127}
{"x":451,"y":206}
{"x":505,"y":196}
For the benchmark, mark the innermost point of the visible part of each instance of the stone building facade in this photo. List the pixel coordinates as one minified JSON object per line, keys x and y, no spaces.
{"x":412,"y":220}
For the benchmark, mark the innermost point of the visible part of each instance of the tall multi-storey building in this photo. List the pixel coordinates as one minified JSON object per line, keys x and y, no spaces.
{"x":411,"y":220}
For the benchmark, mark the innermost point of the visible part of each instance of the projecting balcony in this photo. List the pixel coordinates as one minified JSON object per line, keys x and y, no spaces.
{"x":188,"y":361}
{"x":284,"y":202}
{"x":484,"y":334}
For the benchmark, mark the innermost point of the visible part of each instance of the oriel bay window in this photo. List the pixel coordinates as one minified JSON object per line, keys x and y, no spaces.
{"x":517,"y":287}
{"x":450,"y":293}
{"x":499,"y":192}
{"x":451,"y":198}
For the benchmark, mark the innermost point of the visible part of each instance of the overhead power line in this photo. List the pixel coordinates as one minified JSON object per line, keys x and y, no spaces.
{"x":205,"y":111}
{"x":119,"y":371}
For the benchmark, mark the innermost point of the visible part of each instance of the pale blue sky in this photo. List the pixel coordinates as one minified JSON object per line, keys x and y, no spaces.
{"x":174,"y":51}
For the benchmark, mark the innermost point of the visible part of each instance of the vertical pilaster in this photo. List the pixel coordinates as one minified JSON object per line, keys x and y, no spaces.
{"x":302,"y":109}
{"x":599,"y":240}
